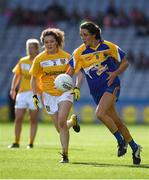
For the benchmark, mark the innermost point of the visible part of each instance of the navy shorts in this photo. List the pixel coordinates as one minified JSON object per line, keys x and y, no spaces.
{"x":113,"y":89}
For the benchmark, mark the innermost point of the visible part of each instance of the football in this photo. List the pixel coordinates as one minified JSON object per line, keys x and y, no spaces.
{"x":63,"y":82}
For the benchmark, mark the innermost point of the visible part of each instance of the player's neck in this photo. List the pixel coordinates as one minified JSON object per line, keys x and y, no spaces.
{"x":94,"y":44}
{"x":54,"y":51}
{"x":31,"y":57}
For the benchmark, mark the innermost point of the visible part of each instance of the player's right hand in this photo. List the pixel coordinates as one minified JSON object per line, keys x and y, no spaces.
{"x":13,"y":94}
{"x":76,"y":92}
{"x":36,"y":101}
{"x":111,"y":77}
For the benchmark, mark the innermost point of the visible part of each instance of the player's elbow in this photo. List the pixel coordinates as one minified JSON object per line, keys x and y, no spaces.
{"x":126,"y":63}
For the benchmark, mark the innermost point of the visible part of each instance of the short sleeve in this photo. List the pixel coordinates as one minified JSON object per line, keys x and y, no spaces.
{"x":17,"y":68}
{"x":35,"y":68}
{"x":116,"y":52}
{"x":75,"y":61}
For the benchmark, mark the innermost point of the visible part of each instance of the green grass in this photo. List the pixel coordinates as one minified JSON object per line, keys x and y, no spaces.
{"x":92,"y":155}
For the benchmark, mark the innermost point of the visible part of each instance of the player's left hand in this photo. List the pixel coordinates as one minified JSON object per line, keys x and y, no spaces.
{"x":111,"y":77}
{"x":76,"y":92}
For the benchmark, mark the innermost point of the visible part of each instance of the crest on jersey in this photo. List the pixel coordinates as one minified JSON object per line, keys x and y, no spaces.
{"x":100,"y":68}
{"x":88,"y":58}
{"x":63,"y":61}
{"x":54,"y":63}
{"x":47,"y":108}
{"x":97,"y":56}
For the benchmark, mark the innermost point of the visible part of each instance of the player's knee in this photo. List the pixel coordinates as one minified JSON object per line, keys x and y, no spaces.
{"x":100,"y":114}
{"x":61,"y":124}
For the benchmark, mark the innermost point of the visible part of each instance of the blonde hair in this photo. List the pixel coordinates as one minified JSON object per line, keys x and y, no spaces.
{"x":56,"y":33}
{"x":32,"y":41}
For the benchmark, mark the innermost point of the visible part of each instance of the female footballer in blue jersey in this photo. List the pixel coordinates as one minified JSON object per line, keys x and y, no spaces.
{"x":102,"y":62}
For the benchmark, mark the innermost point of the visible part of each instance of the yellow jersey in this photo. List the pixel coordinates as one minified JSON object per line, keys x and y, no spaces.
{"x":22,"y":68}
{"x":47,"y":67}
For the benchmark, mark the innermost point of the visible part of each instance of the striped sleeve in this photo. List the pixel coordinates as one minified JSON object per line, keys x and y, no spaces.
{"x":116,"y":52}
{"x":75,"y":62}
{"x":17,"y":69}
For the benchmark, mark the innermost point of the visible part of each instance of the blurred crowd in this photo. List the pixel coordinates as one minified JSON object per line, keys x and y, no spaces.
{"x":111,"y":17}
{"x":55,"y":13}
{"x":135,"y":60}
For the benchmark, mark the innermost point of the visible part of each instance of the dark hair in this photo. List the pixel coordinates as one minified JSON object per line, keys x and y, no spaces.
{"x":92,"y":29}
{"x":56,"y":33}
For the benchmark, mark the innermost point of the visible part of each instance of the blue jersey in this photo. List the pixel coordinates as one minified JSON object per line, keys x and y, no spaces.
{"x":96,"y":62}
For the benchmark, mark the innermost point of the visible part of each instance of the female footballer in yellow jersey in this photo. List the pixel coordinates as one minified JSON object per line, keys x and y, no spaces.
{"x":102,"y":62}
{"x":24,"y":96}
{"x":47,"y":65}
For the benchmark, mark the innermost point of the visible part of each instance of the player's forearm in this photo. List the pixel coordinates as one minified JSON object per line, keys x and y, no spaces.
{"x":123,"y":66}
{"x":33,"y":84}
{"x":15,"y":82}
{"x":70,"y":71}
{"x":79,"y":79}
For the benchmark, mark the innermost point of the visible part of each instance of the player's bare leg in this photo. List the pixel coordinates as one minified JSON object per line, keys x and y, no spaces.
{"x":33,"y":127}
{"x":103,"y":107}
{"x":126,"y":134}
{"x":119,"y":123}
{"x":64,"y":109}
{"x":19,"y":114}
{"x":55,"y":121}
{"x":73,"y":122}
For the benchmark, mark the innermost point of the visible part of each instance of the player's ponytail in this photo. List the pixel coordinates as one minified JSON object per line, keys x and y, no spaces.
{"x":92,"y":28}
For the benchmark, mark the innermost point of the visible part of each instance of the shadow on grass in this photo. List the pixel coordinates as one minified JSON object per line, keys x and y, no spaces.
{"x":57,"y":148}
{"x":145,"y":166}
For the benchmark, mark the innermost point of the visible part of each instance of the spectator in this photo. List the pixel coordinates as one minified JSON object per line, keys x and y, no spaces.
{"x":56,"y":11}
{"x":111,"y":9}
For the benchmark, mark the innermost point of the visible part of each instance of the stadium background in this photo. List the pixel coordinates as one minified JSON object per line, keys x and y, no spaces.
{"x":125,"y":23}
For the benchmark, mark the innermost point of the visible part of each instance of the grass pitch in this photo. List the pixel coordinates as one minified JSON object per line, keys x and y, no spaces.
{"x":93,"y":154}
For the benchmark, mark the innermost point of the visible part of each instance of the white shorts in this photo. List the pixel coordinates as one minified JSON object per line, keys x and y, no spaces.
{"x":24,"y":100}
{"x":51,"y":102}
